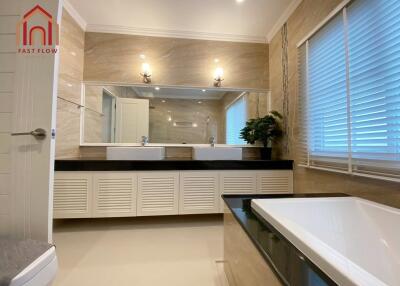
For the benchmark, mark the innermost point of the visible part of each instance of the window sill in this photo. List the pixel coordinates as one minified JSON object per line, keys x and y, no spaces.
{"x":377,"y":177}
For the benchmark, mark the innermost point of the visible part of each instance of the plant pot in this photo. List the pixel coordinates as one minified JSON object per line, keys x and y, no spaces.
{"x":265,"y":153}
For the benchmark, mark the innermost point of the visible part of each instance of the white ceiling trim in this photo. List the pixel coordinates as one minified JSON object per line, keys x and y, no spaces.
{"x":174,"y":34}
{"x":283,"y":19}
{"x":75,"y":15}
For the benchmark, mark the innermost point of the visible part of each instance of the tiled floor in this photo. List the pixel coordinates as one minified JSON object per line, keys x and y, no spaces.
{"x":168,"y":251}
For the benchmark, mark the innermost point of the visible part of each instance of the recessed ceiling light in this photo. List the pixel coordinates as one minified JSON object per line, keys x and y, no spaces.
{"x":216,"y":60}
{"x":142,"y":56}
{"x":239,"y":1}
{"x":163,"y":101}
{"x":157,"y":88}
{"x":203,"y":90}
{"x":200,"y":102}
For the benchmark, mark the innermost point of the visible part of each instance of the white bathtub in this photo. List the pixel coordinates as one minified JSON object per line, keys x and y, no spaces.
{"x":354,"y":241}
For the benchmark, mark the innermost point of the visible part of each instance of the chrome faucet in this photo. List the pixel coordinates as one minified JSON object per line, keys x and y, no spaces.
{"x":145,"y":141}
{"x":212,"y":141}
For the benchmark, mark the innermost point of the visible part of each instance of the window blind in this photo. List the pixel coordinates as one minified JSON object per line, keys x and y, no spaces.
{"x":374,"y":75}
{"x":327,"y":107}
{"x":349,"y":75}
{"x":236,"y":116}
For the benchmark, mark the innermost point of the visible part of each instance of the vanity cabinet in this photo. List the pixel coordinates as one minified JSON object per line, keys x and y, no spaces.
{"x":158,"y":193}
{"x":152,"y":193}
{"x":114,"y":194}
{"x":237,"y":182}
{"x":72,"y":195}
{"x":274,"y":182}
{"x":199,"y":192}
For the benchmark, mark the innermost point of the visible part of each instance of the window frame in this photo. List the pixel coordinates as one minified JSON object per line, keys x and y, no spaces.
{"x":338,"y":164}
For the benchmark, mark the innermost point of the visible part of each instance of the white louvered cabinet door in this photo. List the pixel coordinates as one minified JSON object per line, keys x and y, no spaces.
{"x":114,"y":194}
{"x":199,"y":192}
{"x":237,"y":183}
{"x":72,"y":195}
{"x":275,"y":182}
{"x":158,"y":193}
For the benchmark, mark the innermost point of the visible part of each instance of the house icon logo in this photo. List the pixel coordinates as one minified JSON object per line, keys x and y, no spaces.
{"x":37,"y":32}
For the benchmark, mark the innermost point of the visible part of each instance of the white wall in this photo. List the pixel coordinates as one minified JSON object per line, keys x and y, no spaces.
{"x":8,"y":16}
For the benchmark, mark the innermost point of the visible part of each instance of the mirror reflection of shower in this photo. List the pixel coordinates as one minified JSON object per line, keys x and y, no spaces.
{"x":123,"y":114}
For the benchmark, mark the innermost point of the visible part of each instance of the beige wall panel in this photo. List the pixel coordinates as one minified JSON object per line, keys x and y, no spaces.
{"x":7,"y":61}
{"x":5,"y":180}
{"x":5,"y":163}
{"x":7,"y":43}
{"x":6,"y":82}
{"x":69,"y":87}
{"x":5,"y":102}
{"x":116,"y":58}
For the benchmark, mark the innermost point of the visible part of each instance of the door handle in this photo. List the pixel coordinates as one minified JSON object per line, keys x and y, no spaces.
{"x":38,"y":133}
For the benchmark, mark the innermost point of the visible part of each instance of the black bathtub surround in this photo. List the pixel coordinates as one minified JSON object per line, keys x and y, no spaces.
{"x":290,"y":265}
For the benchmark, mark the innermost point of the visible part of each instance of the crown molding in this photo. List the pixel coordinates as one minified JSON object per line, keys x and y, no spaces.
{"x":174,"y":34}
{"x":75,"y":15}
{"x":283,"y":19}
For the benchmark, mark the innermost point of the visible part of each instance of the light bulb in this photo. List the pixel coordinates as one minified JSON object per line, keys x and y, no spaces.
{"x":219,"y":72}
{"x":146,"y":69}
{"x":146,"y":73}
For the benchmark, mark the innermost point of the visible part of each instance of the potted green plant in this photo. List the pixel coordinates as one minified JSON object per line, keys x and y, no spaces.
{"x":264,"y":130}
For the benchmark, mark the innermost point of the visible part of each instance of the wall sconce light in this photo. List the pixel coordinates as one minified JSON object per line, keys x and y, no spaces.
{"x":146,"y":73}
{"x":218,"y":74}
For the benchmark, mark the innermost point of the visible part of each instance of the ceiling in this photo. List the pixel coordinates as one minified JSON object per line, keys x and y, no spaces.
{"x":229,"y":20}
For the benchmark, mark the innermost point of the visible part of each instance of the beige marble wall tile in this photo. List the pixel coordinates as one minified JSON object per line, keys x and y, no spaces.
{"x":69,"y":87}
{"x":178,"y":152}
{"x":309,"y":14}
{"x":195,"y":122}
{"x":93,"y":152}
{"x":116,"y":58}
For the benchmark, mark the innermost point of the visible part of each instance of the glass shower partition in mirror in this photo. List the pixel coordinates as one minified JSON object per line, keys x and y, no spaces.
{"x":168,"y":115}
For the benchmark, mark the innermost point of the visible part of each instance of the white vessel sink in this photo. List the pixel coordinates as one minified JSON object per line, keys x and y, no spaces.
{"x":216,"y":153}
{"x":135,"y":153}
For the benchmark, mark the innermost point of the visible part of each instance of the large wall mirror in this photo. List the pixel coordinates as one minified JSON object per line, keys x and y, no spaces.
{"x":168,"y":115}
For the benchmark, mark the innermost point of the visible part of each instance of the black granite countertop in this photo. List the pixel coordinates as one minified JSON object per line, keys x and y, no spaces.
{"x":169,"y":165}
{"x":291,"y":266}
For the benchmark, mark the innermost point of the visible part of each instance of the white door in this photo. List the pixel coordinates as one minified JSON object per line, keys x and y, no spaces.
{"x":28,"y":89}
{"x":132,"y":120}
